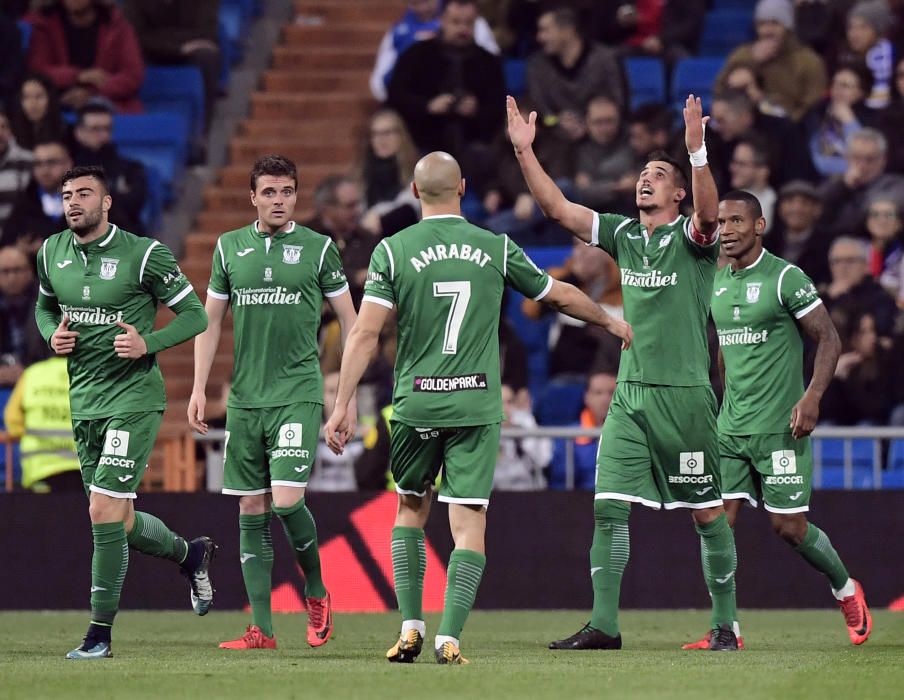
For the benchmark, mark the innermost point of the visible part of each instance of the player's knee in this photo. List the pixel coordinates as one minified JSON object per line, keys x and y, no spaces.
{"x":254,"y":505}
{"x":607,"y":510}
{"x":792,"y":529}
{"x":104,"y":509}
{"x":287,"y":497}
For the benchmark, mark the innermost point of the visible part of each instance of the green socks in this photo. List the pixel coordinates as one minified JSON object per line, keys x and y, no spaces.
{"x":256,"y":555}
{"x":299,"y":525}
{"x":108,"y":570}
{"x":462,"y":579}
{"x":149,"y":535}
{"x":717,"y":550}
{"x":409,"y":562}
{"x":821,"y":555}
{"x":608,"y":557}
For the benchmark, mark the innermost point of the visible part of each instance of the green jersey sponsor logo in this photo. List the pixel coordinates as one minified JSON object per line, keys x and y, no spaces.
{"x":467,"y":382}
{"x":264,"y":295}
{"x":742,"y":336}
{"x":95,"y":316}
{"x":653,"y":278}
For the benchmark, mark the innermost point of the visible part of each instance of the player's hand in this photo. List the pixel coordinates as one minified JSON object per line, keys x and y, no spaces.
{"x":129,"y":345}
{"x":196,"y":405}
{"x":441,"y":104}
{"x":339,"y":429}
{"x":521,"y":133}
{"x":694,"y":123}
{"x":621,"y":329}
{"x":466,"y":106}
{"x":804,"y":416}
{"x":63,"y":340}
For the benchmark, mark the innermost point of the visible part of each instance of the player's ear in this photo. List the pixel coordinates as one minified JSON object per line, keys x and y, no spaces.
{"x":759,"y":226}
{"x":461,"y":188}
{"x":417,"y":195}
{"x":253,"y":199}
{"x":106,"y":203}
{"x":680,"y":194}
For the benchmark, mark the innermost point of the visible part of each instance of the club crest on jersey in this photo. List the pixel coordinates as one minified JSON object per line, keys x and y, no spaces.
{"x":737,"y":313}
{"x":268,"y":274}
{"x":665,"y":240}
{"x":108,"y":268}
{"x":646,"y":262}
{"x":86,"y":292}
{"x":291,"y":254}
{"x":753,"y":292}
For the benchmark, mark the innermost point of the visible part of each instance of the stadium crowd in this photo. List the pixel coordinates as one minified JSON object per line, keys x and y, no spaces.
{"x":807,"y":114}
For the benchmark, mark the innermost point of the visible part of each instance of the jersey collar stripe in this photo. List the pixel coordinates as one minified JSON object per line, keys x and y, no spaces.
{"x":807,"y":309}
{"x":549,"y":281}
{"x":376,"y":300}
{"x":45,"y":292}
{"x":217,"y":295}
{"x":180,"y":296}
{"x":144,"y":260}
{"x":757,"y":261}
{"x":443,"y":216}
{"x":257,"y":226}
{"x":595,"y":231}
{"x":505,"y":254}
{"x":778,"y":287}
{"x":222,"y":257}
{"x":103,"y":243}
{"x":391,"y":261}
{"x":617,"y":229}
{"x":338,"y":292}
{"x":326,"y":245}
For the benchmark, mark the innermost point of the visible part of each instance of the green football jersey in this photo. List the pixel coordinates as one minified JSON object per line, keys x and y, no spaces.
{"x":755,"y":310}
{"x":446,"y":277}
{"x":275,"y":286}
{"x":118,"y":277}
{"x":666,"y":279}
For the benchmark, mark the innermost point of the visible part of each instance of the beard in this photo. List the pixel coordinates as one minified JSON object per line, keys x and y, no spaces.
{"x":90,"y":221}
{"x":648,"y":206}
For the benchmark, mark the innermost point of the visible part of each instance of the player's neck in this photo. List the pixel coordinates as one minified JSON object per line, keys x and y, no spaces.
{"x":270,"y":231}
{"x":748,"y":259}
{"x":92,"y":235}
{"x":658,"y":217}
{"x":441,"y":209}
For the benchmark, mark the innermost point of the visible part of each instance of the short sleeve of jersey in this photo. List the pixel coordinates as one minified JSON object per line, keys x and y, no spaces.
{"x":332,"y":276}
{"x":43,"y":278}
{"x":797,"y":292}
{"x":219,"y":286}
{"x":522,"y":274}
{"x":160,"y":275}
{"x":378,"y":287}
{"x":605,"y":228}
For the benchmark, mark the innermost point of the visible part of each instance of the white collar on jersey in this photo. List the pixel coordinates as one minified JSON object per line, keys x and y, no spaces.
{"x":103,"y":243}
{"x":754,"y":263}
{"x":257,"y":226}
{"x":443,"y":216}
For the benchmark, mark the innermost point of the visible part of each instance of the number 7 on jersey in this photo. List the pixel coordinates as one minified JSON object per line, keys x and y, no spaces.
{"x":460,"y":292}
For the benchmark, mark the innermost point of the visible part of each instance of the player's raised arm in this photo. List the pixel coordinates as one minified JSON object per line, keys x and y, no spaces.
{"x":576,"y":218}
{"x":818,"y":325}
{"x":706,"y":196}
{"x":573,"y":302}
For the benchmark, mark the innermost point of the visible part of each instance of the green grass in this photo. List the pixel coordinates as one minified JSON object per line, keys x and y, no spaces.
{"x":796,"y":655}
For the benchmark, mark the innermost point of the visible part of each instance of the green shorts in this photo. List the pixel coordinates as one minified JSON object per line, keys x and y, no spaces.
{"x":467,"y":457}
{"x":775,"y":468}
{"x":113,"y":452}
{"x":268,"y":447}
{"x":659,"y":447}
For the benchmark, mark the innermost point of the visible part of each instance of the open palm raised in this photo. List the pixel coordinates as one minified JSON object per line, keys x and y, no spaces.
{"x":521,"y":133}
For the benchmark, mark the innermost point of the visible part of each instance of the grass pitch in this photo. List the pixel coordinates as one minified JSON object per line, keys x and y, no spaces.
{"x":793,"y":654}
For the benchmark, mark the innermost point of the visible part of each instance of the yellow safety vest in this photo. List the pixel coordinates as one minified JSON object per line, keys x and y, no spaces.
{"x":47,"y":447}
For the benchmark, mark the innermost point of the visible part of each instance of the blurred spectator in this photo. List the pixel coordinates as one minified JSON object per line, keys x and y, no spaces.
{"x":88,"y":49}
{"x":867,"y":24}
{"x":513,"y":362}
{"x":35,"y":114}
{"x":93,"y":145}
{"x":793,"y":74}
{"x":820,"y":23}
{"x":386,"y":170}
{"x":864,"y":179}
{"x":597,"y":399}
{"x":750,"y":171}
{"x":852,"y":290}
{"x":20,"y":342}
{"x":333,"y":472}
{"x":521,"y":461}
{"x":38,"y":414}
{"x":883,"y":223}
{"x":666,"y":28}
{"x":605,"y":173}
{"x":11,"y":57}
{"x":38,"y":212}
{"x":745,"y":77}
{"x":795,"y":236}
{"x":422,"y":20}
{"x":575,"y":346}
{"x":338,"y":205}
{"x":891,"y":118}
{"x":833,"y":120}
{"x":649,"y":127}
{"x":568,"y":72}
{"x":15,"y":171}
{"x":450,"y":91}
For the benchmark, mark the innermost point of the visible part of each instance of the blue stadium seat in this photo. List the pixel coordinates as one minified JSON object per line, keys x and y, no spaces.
{"x":515,"y":76}
{"x":175,"y":89}
{"x":24,"y":33}
{"x":725,"y":30}
{"x":697,"y":76}
{"x":231,"y":23}
{"x":833,"y":478}
{"x":159,"y":140}
{"x":896,"y":456}
{"x":559,"y":404}
{"x":546,"y":257}
{"x":830,"y":452}
{"x":152,"y":210}
{"x":734,"y":5}
{"x":893,"y":479}
{"x":646,"y":80}
{"x":17,"y":471}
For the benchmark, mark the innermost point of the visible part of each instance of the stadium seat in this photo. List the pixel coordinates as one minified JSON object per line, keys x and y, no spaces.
{"x":734,"y":5}
{"x":17,"y":473}
{"x":152,"y":210}
{"x":158,"y":140}
{"x":24,"y":33}
{"x":175,"y":89}
{"x":515,"y":76}
{"x":724,"y":30}
{"x":833,"y":478}
{"x":829,"y":452}
{"x":646,"y":80}
{"x":559,"y":404}
{"x":893,"y":479}
{"x":231,"y":23}
{"x":547,"y":257}
{"x":896,"y":456}
{"x":697,"y":76}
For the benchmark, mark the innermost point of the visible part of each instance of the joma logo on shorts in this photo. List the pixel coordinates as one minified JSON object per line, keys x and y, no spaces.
{"x":465,"y":382}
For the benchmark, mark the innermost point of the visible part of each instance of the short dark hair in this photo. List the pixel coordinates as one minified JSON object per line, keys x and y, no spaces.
{"x":448,"y":3}
{"x":680,"y":175}
{"x":53,"y":142}
{"x":753,"y":204}
{"x":737,"y":99}
{"x":95,"y":171}
{"x":653,"y":116}
{"x":93,"y":108}
{"x":564,"y":17}
{"x":325,"y":192}
{"x":762,"y":154}
{"x":859,"y":68}
{"x":275,"y":166}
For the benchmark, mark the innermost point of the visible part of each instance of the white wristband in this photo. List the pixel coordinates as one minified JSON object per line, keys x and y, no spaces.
{"x":698,"y":157}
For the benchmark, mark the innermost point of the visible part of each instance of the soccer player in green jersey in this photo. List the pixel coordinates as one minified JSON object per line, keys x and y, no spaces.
{"x":446,"y":278}
{"x":761,"y":304}
{"x":99,"y":291}
{"x":659,"y":444}
{"x":275,"y":275}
